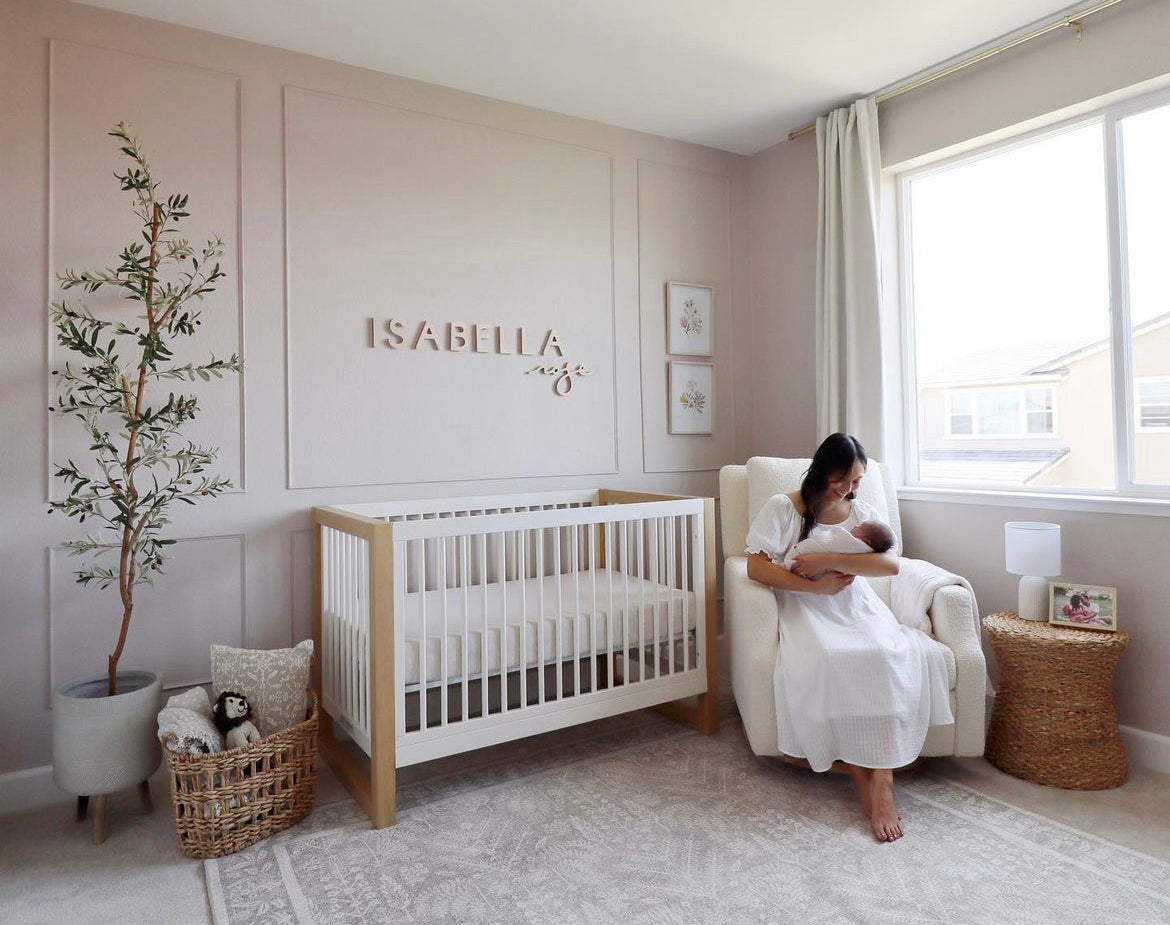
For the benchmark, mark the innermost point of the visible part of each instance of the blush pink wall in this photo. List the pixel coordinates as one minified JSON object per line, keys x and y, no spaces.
{"x":241,"y":570}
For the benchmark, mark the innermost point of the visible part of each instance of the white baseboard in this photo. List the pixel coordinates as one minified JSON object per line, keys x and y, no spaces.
{"x":31,"y":788}
{"x":1147,"y":750}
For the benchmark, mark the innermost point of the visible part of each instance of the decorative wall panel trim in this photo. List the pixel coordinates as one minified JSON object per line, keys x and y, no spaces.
{"x":58,"y":48}
{"x":654,"y":360}
{"x":60,"y":562}
{"x":526,"y":466}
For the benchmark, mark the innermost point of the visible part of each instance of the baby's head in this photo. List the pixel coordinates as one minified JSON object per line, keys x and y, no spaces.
{"x":875,"y":534}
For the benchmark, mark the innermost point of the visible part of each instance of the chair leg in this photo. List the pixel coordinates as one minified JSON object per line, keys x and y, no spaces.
{"x":144,"y":794}
{"x":82,"y":808}
{"x":99,"y":819}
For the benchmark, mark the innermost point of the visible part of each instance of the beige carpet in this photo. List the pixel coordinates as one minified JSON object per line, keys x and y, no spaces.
{"x":656,"y":824}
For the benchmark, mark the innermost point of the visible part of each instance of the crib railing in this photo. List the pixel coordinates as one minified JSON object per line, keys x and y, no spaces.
{"x":626,"y":625}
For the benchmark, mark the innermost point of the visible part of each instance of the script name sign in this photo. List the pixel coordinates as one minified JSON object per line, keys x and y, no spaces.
{"x":470,"y":337}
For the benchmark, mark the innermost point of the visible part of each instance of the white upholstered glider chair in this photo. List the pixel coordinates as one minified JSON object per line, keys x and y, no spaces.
{"x":751,"y":615}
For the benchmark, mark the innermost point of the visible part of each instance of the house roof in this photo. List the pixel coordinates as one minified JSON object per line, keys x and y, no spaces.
{"x":1010,"y":362}
{"x":976,"y":464}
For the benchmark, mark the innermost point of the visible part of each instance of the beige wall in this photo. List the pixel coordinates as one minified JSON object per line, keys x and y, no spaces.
{"x":1126,"y":46}
{"x":444,"y":206}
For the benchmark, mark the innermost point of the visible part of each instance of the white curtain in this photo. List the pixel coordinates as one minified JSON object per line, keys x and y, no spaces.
{"x":849,"y":336}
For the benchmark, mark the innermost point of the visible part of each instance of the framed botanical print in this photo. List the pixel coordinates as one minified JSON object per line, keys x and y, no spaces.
{"x":692,"y":397}
{"x":689,"y":320}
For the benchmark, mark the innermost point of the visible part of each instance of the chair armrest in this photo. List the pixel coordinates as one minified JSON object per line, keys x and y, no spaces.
{"x":955,"y":622}
{"x":752,"y":621}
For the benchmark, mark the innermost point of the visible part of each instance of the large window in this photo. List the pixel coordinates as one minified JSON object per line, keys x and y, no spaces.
{"x":1037,"y":281}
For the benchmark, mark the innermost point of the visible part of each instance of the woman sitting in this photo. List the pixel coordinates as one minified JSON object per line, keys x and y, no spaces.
{"x":851,"y":682}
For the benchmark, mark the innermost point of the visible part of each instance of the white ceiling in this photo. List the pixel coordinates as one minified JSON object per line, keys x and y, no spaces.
{"x":731,"y":74}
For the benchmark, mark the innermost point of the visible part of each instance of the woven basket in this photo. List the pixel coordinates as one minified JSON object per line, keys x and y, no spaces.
{"x":226,"y":801}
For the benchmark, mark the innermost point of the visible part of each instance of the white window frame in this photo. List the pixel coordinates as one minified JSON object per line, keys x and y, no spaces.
{"x":1022,"y":434}
{"x":1129,"y":495}
{"x":1137,"y":405}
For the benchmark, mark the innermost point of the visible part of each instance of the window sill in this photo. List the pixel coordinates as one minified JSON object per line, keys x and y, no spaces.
{"x":1150,"y":507}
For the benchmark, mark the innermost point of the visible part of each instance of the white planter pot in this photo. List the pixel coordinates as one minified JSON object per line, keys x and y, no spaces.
{"x":102,"y":743}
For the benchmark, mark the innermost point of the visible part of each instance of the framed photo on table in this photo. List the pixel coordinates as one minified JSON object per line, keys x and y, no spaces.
{"x":692,"y":397}
{"x":689,"y":320}
{"x":1085,"y":607}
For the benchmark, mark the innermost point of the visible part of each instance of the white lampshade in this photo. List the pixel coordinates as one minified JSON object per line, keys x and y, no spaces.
{"x":1032,"y":548}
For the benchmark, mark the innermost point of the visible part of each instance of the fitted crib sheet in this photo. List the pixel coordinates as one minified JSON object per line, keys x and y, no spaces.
{"x":589,"y":624}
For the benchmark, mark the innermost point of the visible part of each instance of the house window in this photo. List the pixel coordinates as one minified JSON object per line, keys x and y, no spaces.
{"x":1022,"y":296}
{"x":1153,"y":403}
{"x":999,"y":412}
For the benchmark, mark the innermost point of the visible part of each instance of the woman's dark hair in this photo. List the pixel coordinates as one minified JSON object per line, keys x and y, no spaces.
{"x":836,"y":454}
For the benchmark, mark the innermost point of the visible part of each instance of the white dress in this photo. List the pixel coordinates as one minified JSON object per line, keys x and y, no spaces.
{"x":851,"y":682}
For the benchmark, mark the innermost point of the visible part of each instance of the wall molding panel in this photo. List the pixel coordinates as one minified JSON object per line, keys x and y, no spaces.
{"x":189,"y":120}
{"x":684,"y":235}
{"x":173,"y":624}
{"x":448,"y":222}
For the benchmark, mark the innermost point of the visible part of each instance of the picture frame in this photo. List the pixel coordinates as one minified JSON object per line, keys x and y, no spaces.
{"x":690,"y":319}
{"x":691,"y":397}
{"x":1081,"y":606}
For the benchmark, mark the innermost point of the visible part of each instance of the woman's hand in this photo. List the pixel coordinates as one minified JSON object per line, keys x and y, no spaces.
{"x":831,"y":583}
{"x":811,"y":564}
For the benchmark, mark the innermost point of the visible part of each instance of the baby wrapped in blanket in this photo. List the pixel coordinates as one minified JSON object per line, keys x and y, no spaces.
{"x":867,"y":536}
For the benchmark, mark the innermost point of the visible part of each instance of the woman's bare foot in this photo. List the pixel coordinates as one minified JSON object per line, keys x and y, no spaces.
{"x":884,"y":818}
{"x":863,"y":783}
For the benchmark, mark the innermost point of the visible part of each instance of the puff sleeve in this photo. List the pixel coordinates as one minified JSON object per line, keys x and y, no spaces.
{"x":774,"y":529}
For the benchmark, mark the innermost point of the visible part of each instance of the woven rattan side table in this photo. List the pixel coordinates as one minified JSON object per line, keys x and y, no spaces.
{"x":1054,"y":722}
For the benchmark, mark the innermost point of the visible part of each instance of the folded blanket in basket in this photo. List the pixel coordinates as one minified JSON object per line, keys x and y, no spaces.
{"x":188,"y":716}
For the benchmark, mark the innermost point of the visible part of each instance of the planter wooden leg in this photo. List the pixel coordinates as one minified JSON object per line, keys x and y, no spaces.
{"x":82,"y":808}
{"x":144,"y":793}
{"x":99,"y":819}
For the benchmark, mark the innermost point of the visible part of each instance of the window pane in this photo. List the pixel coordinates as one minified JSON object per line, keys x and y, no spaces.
{"x":999,"y":413}
{"x":1010,"y":269}
{"x":1146,"y":153}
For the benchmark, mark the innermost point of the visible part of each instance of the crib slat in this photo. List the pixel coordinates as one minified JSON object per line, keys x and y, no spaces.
{"x":560,"y":614}
{"x":503,"y":623}
{"x":576,"y":544}
{"x":422,"y":634}
{"x":522,"y":572}
{"x":400,"y":569}
{"x":657,"y":630}
{"x":611,"y":611}
{"x":684,"y":536}
{"x":483,"y":639}
{"x":443,"y":642}
{"x":670,"y":570}
{"x":594,"y":616}
{"x":540,"y":621}
{"x":464,"y":716}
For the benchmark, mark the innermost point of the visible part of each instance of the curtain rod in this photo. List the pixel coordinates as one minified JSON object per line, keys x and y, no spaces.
{"x":1072,"y":21}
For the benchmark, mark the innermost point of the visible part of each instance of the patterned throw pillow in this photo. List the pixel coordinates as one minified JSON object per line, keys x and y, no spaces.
{"x":273,"y":680}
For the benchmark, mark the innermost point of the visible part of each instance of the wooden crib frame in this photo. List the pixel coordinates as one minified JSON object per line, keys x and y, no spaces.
{"x":368,"y":663}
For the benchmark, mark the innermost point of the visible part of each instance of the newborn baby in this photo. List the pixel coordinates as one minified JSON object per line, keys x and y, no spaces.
{"x":867,"y":536}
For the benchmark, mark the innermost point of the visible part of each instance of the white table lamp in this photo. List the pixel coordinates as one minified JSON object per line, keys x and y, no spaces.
{"x":1033,"y":551}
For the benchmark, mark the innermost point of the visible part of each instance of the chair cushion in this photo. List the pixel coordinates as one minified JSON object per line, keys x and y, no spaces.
{"x":768,"y":476}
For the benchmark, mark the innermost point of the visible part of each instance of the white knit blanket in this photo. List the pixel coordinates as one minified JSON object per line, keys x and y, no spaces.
{"x":913,"y":589}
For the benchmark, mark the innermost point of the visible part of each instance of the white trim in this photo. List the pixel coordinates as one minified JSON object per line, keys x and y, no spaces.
{"x":31,"y":788}
{"x":1060,"y":501}
{"x":1147,"y":750}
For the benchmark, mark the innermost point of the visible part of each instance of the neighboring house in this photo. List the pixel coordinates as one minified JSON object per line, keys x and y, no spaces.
{"x":1042,"y":414}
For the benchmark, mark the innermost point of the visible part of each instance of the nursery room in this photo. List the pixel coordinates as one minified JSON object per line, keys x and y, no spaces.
{"x":614,"y":462}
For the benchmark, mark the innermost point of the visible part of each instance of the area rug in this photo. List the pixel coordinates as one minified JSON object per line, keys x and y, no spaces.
{"x":661,"y":825}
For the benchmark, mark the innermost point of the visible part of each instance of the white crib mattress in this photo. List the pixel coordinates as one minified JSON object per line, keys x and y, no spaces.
{"x":585,"y":627}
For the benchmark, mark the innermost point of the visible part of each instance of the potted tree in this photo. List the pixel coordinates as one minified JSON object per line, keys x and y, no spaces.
{"x":138,"y":467}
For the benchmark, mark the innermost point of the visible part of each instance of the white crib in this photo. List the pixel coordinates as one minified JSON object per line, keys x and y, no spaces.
{"x":447,"y":625}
